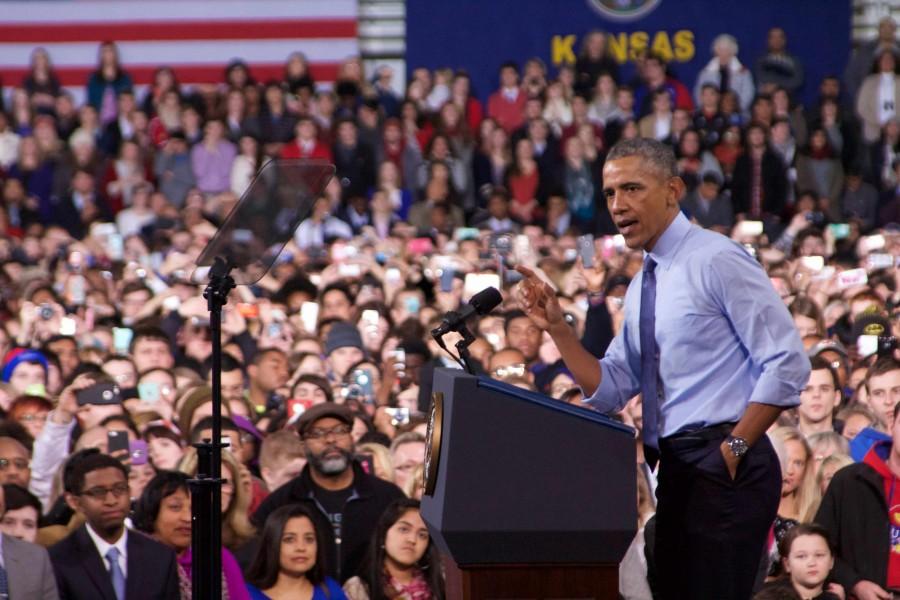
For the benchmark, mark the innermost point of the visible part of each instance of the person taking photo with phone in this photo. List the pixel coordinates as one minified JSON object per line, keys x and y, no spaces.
{"x":708,"y":400}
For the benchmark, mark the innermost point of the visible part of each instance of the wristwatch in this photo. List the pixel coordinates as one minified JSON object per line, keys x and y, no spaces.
{"x":738,"y":445}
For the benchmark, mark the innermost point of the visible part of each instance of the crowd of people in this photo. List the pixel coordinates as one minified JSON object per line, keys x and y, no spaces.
{"x":105,"y":345}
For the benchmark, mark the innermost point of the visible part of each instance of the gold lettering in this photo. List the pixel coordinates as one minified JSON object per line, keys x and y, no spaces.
{"x":562,"y":49}
{"x":637,"y":43}
{"x":661,"y":46}
{"x":618,"y":46}
{"x":684,"y":45}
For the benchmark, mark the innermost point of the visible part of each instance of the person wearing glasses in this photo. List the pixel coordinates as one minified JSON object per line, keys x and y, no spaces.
{"x":509,"y":363}
{"x":345,"y":501}
{"x":102,"y":560}
{"x":15,"y":457}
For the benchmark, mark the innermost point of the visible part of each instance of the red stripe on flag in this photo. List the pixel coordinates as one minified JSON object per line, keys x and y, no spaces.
{"x":134,"y":31}
{"x":141,"y":74}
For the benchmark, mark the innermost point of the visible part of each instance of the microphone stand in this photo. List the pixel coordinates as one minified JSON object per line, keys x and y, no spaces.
{"x":464,"y":357}
{"x":462,"y":346}
{"x":206,"y":495}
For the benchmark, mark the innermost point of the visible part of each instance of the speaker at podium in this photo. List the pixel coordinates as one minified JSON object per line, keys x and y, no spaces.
{"x":529,"y":496}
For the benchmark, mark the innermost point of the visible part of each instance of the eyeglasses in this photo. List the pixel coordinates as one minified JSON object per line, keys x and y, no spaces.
{"x":27,"y":418}
{"x":19,"y":463}
{"x":516,"y":370}
{"x":319,"y":434}
{"x":100,"y":493}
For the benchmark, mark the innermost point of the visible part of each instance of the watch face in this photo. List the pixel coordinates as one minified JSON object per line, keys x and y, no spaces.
{"x":433,"y":442}
{"x":738,"y":446}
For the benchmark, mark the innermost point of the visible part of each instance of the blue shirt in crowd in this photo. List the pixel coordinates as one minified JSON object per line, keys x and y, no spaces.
{"x":334,"y":591}
{"x":725,"y":337}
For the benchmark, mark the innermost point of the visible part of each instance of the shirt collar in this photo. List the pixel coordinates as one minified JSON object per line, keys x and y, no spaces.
{"x":103,"y":546}
{"x":667,"y":245}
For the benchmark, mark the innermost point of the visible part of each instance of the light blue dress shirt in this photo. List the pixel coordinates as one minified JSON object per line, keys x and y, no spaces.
{"x":725,"y":337}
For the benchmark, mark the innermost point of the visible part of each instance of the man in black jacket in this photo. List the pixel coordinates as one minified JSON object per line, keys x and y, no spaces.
{"x":861,"y":511}
{"x":348,"y":500}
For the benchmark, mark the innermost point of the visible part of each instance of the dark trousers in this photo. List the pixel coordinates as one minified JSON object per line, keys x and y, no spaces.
{"x":711,"y":530}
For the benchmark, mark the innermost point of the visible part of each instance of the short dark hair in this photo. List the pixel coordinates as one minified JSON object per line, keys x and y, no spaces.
{"x":263,"y":572}
{"x":511,"y":316}
{"x":659,"y":155}
{"x":262,"y":353}
{"x":15,"y":431}
{"x":148,"y":332}
{"x":817,"y":363}
{"x":339,"y":287}
{"x":163,"y":485}
{"x":207,"y":423}
{"x":86,"y":461}
{"x":18,"y":497}
{"x":883,"y":365}
{"x":124,"y":419}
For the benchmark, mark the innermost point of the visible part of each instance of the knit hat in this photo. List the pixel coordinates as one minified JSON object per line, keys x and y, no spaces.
{"x":341,"y":335}
{"x":19,"y":355}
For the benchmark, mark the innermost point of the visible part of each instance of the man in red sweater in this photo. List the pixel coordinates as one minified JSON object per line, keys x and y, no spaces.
{"x":306,"y":144}
{"x":507,"y":105}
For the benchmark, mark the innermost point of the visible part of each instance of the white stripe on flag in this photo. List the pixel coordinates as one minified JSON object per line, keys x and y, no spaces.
{"x":186,"y":52}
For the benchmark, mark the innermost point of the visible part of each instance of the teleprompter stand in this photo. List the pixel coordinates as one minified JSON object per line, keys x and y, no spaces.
{"x":245,"y":248}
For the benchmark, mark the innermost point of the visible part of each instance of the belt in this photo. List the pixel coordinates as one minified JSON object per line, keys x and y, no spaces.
{"x":697,"y":437}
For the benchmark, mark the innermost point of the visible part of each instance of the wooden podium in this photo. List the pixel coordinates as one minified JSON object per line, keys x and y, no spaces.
{"x":527,"y":497}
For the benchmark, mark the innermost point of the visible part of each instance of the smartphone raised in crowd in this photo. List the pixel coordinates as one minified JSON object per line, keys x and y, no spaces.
{"x":116,"y":440}
{"x":103,"y":393}
{"x":138,"y":451}
{"x":586,"y":250}
{"x":309,"y":316}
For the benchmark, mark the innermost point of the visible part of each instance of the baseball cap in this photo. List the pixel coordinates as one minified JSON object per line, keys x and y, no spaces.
{"x":320,"y":411}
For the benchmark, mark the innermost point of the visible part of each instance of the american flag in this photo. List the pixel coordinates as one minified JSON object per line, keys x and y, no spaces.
{"x":197,"y":38}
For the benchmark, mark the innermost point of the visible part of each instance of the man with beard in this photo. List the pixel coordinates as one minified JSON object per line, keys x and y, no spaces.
{"x":348,"y":500}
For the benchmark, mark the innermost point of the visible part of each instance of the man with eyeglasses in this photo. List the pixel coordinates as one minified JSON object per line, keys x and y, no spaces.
{"x":347,"y":499}
{"x":102,"y":560}
{"x":509,"y":363}
{"x":15,"y":461}
{"x":819,"y":399}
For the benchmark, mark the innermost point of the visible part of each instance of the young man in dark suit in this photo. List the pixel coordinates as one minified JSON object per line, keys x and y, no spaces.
{"x":102,"y":560}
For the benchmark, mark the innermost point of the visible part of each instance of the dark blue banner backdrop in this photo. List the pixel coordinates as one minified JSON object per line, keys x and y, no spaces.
{"x":479,"y":35}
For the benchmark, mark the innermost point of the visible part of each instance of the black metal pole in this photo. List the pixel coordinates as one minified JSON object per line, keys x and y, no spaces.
{"x":206,"y":488}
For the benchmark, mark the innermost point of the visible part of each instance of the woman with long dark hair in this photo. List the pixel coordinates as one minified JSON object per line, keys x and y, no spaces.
{"x":402,"y":563}
{"x":290,"y":562}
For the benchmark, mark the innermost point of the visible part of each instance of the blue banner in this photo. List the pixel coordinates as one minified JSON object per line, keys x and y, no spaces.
{"x":479,"y":35}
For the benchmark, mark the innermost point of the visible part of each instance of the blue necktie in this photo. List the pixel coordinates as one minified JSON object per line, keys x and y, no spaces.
{"x":649,"y":356}
{"x":115,"y":573}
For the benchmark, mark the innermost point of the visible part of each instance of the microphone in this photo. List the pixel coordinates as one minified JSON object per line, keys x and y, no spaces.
{"x":481,"y":303}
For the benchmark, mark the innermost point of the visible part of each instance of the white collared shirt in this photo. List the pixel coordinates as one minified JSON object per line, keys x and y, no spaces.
{"x":886,"y":108}
{"x":103,"y":547}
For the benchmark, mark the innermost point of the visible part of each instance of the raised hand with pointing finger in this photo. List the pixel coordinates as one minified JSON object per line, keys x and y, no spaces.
{"x":539,"y":301}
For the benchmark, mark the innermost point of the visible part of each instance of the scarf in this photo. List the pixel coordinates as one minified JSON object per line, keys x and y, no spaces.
{"x":417,"y":589}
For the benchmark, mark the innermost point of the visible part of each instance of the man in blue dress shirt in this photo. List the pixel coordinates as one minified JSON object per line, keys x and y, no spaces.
{"x":714,"y":353}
